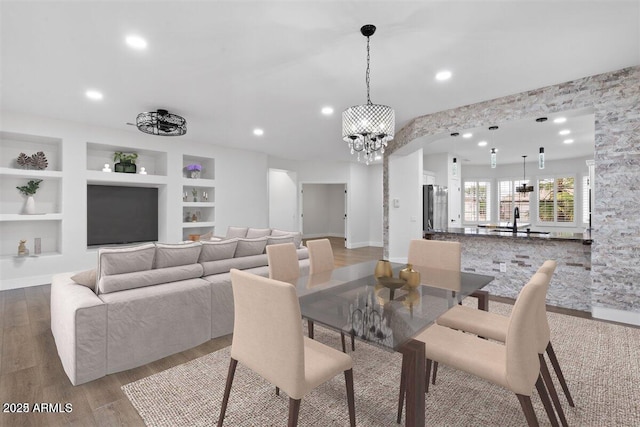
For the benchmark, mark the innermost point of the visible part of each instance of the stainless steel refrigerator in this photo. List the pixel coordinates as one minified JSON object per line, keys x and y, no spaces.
{"x":435,"y":199}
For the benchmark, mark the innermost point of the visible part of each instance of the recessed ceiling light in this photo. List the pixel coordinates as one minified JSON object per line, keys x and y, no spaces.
{"x":467,"y":135}
{"x":560,"y":120}
{"x":136,"y":42}
{"x":327,"y":111}
{"x":443,"y":75}
{"x":258,"y":132}
{"x":568,"y":141}
{"x":93,"y":94}
{"x":564,"y":132}
{"x":482,"y":144}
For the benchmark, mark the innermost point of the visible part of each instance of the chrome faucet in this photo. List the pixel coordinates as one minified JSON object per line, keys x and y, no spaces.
{"x":516,"y":216}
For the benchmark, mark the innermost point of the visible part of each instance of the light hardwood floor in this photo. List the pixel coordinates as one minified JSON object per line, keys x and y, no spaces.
{"x":31,"y":372}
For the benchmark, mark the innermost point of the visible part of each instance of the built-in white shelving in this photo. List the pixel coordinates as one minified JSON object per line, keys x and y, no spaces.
{"x":202,"y":203}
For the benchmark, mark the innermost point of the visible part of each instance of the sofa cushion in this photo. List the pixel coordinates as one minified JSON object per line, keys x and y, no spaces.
{"x":242,"y":263}
{"x":297,"y":236}
{"x":248,"y":247}
{"x":173,"y":255}
{"x":140,"y":279}
{"x":254,"y":233}
{"x":214,"y":251}
{"x":276,"y":240}
{"x":86,"y":278}
{"x":236,"y":232}
{"x":125,"y":260}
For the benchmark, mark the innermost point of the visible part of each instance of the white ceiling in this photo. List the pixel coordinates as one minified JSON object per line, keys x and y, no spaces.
{"x":229,"y":67}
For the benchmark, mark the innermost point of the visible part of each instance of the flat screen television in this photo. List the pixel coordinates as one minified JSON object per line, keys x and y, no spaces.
{"x":117,"y":215}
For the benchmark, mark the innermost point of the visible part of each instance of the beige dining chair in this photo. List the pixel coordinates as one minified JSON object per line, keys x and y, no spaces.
{"x":282,"y":260}
{"x":495,"y":326}
{"x":514,"y":365}
{"x":321,"y":261}
{"x":267,"y":338}
{"x":435,"y":253}
{"x":320,"y":256}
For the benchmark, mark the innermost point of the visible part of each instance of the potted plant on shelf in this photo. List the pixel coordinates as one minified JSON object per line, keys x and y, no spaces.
{"x":126,"y":162}
{"x":29,"y":190}
{"x":193,"y":170}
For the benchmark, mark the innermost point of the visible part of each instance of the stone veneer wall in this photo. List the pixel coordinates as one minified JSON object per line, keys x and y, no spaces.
{"x":615,"y":100}
{"x":570,"y":286}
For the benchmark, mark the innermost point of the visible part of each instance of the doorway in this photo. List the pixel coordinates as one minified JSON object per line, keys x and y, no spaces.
{"x":323,"y":210}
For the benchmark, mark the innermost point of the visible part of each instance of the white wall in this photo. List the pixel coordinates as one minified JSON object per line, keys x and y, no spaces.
{"x":241,"y":190}
{"x":375,"y":208}
{"x":405,"y":185}
{"x":358,"y":192}
{"x":283,"y":199}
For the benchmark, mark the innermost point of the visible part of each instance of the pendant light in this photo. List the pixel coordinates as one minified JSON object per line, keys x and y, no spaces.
{"x":493,"y":158}
{"x":524,"y":188}
{"x":454,"y":167}
{"x":368,"y":127}
{"x":541,"y":158}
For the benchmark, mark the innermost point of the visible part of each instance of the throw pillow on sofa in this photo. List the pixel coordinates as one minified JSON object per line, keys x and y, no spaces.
{"x":86,"y":278}
{"x":173,"y":255}
{"x":236,"y":232}
{"x":254,"y":233}
{"x":215,"y":251}
{"x":297,"y":236}
{"x":249,"y":247}
{"x":276,"y":240}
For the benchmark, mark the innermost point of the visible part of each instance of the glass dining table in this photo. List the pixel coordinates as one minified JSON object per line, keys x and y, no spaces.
{"x":388,"y":312}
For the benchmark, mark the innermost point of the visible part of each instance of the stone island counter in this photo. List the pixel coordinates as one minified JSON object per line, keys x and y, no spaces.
{"x":514,"y":258}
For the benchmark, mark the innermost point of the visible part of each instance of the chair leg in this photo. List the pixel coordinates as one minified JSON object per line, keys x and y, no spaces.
{"x":403,"y":387}
{"x":353,"y":342}
{"x":556,"y":366}
{"x":310,"y":328}
{"x":435,"y":372}
{"x":294,"y":410}
{"x":427,"y":374}
{"x":348,"y":379}
{"x":227,"y":390}
{"x":527,"y":408}
{"x":277,"y":391}
{"x":552,"y":390}
{"x":344,"y":347}
{"x":546,"y":402}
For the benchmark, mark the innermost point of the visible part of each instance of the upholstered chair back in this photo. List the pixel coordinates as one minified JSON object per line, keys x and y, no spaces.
{"x":543,"y":330}
{"x":283,"y":262}
{"x":267,"y":334}
{"x":320,"y":256}
{"x":523,"y":365}
{"x":435,"y":253}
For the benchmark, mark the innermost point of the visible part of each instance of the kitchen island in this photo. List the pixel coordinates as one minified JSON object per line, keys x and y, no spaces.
{"x":514,"y":257}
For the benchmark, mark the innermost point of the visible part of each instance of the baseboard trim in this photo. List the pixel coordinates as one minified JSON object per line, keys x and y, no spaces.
{"x":615,"y":315}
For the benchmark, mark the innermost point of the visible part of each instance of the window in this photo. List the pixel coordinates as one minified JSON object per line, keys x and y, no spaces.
{"x":509,"y":198}
{"x":556,"y":200}
{"x":477,"y":201}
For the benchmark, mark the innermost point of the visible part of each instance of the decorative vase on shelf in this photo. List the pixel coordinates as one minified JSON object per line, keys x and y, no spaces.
{"x":125,"y":166}
{"x":194,"y":174}
{"x":29,"y":206}
{"x":410,"y":276}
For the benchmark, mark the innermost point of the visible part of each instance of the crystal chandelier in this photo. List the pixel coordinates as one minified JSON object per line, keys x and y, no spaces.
{"x":367,"y":128}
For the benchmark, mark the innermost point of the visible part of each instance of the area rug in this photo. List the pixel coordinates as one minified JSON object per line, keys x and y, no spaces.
{"x":601,"y":362}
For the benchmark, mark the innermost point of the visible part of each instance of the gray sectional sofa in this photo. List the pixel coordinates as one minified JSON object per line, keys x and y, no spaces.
{"x":149,"y":301}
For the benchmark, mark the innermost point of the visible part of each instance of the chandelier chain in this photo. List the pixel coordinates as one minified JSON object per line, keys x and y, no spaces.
{"x":367,"y":79}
